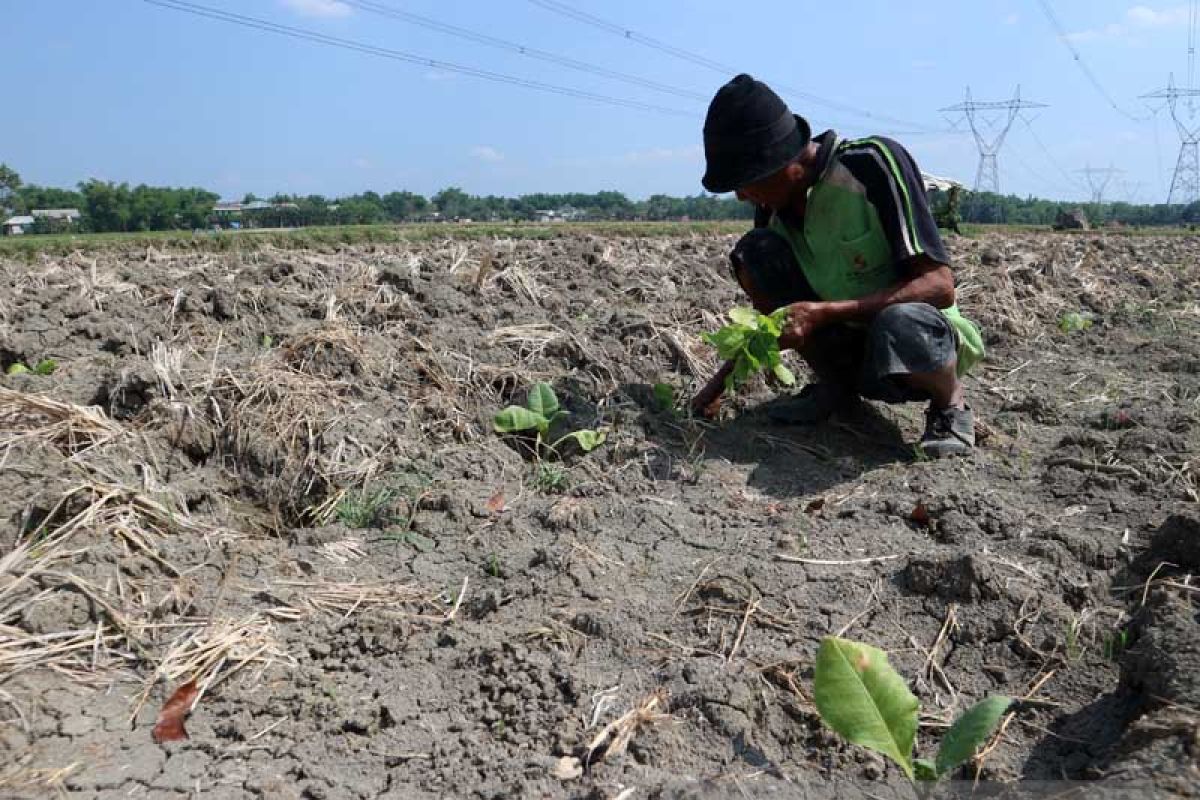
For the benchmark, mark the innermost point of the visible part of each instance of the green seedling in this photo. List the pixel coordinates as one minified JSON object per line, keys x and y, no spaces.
{"x":664,"y":397}
{"x":1115,"y":644}
{"x":550,"y":478}
{"x":1073,"y":322}
{"x":367,"y":508}
{"x":46,"y":366}
{"x":541,"y":410}
{"x":751,"y":342}
{"x":864,"y":700}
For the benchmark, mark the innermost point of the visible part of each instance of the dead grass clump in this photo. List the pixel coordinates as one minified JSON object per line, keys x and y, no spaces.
{"x":344,"y":600}
{"x":29,"y":574}
{"x":69,"y":428}
{"x":211,"y":651}
{"x":334,"y":352}
{"x":614,"y":738}
{"x":22,"y":779}
{"x":273,"y":427}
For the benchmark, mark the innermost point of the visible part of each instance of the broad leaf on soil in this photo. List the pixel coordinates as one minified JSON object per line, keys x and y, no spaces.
{"x":515,"y":418}
{"x":970,"y":731}
{"x":588,"y":440}
{"x":861,"y":697}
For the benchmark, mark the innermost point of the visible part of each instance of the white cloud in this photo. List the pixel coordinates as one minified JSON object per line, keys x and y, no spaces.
{"x":317,"y":8}
{"x":362,"y":163}
{"x":693,"y":152}
{"x":1137,"y":19}
{"x":487,"y":153}
{"x":1012,"y":19}
{"x":438,"y":75}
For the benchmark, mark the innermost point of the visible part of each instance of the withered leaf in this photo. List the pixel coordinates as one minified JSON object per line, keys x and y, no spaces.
{"x":920,"y":514}
{"x":815,"y":506}
{"x":495,"y":503}
{"x":169,"y":727}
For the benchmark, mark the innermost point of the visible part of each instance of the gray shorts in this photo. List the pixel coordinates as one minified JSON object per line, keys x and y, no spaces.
{"x":901,"y":340}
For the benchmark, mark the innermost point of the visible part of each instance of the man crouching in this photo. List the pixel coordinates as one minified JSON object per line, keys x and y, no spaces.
{"x":845,"y":240}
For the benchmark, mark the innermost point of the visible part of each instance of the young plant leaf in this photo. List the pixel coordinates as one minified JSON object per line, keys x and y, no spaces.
{"x":664,"y":396}
{"x":970,"y":731}
{"x":744,"y":316}
{"x":17,"y":369}
{"x":45,"y":367}
{"x":861,"y":697}
{"x":515,"y":418}
{"x":542,"y":400}
{"x":925,"y":769}
{"x":784,"y":375}
{"x":588,"y":440}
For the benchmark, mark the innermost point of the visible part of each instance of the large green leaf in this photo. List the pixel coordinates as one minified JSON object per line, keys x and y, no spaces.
{"x":860,"y":696}
{"x":516,"y":418}
{"x":970,"y":731}
{"x":744,"y":316}
{"x":729,"y":341}
{"x":587,"y":440}
{"x":543,"y":400}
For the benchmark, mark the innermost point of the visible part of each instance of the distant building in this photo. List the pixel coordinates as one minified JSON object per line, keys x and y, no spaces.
{"x":67,"y":215}
{"x":564,"y":214}
{"x":15,"y":226}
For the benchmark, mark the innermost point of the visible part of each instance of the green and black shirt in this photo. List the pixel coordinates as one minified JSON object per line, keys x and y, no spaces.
{"x":867,"y":215}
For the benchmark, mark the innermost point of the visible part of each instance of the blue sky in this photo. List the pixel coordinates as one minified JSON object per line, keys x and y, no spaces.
{"x":127,"y":91}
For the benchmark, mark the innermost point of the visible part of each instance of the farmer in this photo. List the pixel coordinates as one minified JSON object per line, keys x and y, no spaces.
{"x":844,"y":238}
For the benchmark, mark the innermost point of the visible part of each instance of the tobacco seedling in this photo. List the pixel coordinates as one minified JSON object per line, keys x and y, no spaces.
{"x":664,"y":397}
{"x":863,"y":699}
{"x":751,"y":342}
{"x":44,"y":367}
{"x":541,"y":410}
{"x":1073,"y":321}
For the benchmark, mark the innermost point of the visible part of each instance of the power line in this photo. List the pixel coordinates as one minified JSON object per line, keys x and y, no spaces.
{"x":716,"y":66}
{"x":521,"y":49}
{"x":1192,"y":14}
{"x":303,"y":34}
{"x":1050,"y":156}
{"x":1083,"y":66}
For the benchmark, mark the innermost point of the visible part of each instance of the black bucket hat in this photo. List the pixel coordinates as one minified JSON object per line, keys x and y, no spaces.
{"x":749,"y":133}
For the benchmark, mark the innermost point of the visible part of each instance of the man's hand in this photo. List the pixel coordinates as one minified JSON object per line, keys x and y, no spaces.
{"x":802,"y":319}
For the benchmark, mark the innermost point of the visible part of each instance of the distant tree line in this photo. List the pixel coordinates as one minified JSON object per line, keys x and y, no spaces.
{"x":985,"y":207}
{"x":107,"y":206}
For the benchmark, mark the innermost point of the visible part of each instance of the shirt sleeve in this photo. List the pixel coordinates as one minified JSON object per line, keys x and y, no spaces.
{"x":894,"y":186}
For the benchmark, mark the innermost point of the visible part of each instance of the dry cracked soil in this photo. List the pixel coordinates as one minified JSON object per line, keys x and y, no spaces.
{"x":273,"y":472}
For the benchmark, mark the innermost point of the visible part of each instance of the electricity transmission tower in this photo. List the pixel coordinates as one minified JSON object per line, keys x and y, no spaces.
{"x":1185,"y":183}
{"x":1098,"y":179}
{"x":990,"y":123}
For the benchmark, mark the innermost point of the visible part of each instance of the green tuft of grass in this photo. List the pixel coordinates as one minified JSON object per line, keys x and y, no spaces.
{"x":368,"y":508}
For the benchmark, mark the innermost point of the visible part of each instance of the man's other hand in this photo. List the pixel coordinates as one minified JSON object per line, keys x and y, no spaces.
{"x":802,"y":319}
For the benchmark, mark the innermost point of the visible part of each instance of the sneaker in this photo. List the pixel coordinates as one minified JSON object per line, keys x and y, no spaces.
{"x":948,"y":432}
{"x":813,"y":404}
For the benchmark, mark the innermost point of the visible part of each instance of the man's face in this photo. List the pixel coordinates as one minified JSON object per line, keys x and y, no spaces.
{"x":776,"y":190}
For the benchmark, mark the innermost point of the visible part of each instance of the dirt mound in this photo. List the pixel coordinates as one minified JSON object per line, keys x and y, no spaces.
{"x":275,"y":473}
